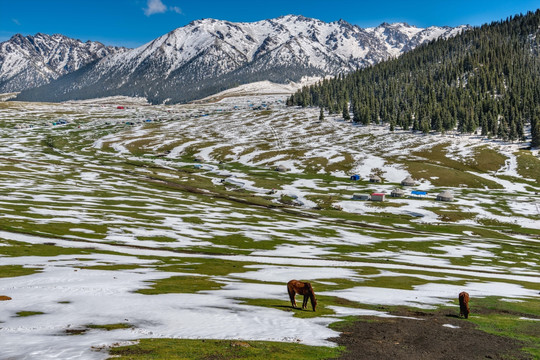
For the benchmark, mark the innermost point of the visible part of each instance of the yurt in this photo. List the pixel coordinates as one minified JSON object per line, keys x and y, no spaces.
{"x":374,"y":179}
{"x":397,"y":192}
{"x":408,"y":181}
{"x":446,"y":195}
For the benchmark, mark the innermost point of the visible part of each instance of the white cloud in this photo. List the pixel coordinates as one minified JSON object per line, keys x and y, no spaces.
{"x":158,"y":7}
{"x":155,"y":7}
{"x":18,"y":23}
{"x":176,"y":9}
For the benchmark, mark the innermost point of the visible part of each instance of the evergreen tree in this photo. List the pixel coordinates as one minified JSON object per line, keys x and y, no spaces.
{"x":535,"y":128}
{"x":346,"y":114}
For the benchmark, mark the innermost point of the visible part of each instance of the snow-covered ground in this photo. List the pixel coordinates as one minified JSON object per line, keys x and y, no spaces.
{"x":93,"y":187}
{"x":263,"y":88}
{"x":71,"y":298}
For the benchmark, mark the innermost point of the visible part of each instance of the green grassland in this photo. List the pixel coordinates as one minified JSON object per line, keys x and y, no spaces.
{"x":113,"y":189}
{"x":221,"y":349}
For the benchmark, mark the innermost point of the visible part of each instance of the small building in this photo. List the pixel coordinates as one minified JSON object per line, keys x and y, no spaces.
{"x":408,"y":181}
{"x":417,"y":194}
{"x":446,"y":195}
{"x":355,"y":177}
{"x":360,"y":197}
{"x":397,"y":192}
{"x":282,"y":168}
{"x":377,"y":197}
{"x":374,"y":179}
{"x":120,"y":107}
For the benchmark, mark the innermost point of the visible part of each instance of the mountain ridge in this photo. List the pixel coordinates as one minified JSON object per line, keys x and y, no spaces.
{"x":31,"y":61}
{"x":210,"y":55}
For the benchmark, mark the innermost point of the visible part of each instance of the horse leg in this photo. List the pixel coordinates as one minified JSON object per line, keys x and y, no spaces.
{"x":304,"y":304}
{"x":292,"y":297}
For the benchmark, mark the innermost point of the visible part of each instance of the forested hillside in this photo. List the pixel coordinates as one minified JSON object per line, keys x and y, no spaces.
{"x":486,"y":79}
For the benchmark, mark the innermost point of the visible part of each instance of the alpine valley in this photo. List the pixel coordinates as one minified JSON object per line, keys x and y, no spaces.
{"x":202,"y":58}
{"x":138,"y":224}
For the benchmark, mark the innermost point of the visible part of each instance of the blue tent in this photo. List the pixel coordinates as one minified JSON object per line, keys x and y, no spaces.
{"x":418,"y":193}
{"x":355,"y":177}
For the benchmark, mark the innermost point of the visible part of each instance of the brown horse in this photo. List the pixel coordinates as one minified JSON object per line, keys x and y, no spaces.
{"x":302,"y":288}
{"x":464,"y":304}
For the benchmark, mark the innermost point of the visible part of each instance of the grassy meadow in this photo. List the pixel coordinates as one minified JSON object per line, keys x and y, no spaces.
{"x":159,"y":232}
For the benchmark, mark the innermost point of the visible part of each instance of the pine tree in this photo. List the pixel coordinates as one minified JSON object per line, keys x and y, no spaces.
{"x":535,"y":128}
{"x":346,"y":114}
{"x":424,"y":125}
{"x":321,"y":114}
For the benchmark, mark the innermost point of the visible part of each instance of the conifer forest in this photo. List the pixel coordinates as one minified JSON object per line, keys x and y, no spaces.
{"x":485,"y":80}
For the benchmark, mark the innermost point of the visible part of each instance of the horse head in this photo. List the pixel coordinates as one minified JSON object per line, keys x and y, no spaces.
{"x":311,"y":294}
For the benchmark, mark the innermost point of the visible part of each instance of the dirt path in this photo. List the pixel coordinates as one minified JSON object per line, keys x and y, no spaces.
{"x":426,"y":338}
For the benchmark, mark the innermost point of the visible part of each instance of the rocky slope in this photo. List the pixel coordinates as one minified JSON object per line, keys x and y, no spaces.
{"x":31,"y":61}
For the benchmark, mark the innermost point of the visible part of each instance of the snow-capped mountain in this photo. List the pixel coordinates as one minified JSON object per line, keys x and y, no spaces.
{"x":402,"y":37}
{"x":30,"y":61}
{"x":207,"y":56}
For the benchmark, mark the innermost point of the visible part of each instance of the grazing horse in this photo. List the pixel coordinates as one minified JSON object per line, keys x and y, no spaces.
{"x":464,"y":304}
{"x":302,"y":288}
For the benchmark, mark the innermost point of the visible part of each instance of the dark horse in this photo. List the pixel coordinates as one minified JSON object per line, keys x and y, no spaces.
{"x":464,"y":304}
{"x":302,"y":288}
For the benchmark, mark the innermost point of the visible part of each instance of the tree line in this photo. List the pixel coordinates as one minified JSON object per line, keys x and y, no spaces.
{"x":485,"y":80}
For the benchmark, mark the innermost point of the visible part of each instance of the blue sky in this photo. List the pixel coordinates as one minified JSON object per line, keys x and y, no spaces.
{"x":134,"y":22}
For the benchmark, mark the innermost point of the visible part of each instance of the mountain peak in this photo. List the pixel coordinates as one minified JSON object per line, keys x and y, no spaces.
{"x":17,"y":37}
{"x":295,"y":17}
{"x":396,"y":25}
